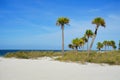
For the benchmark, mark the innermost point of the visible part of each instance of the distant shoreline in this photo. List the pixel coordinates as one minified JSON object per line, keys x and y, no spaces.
{"x":5,"y":51}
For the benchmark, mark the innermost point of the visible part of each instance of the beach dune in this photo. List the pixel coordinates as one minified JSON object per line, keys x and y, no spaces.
{"x":48,"y":69}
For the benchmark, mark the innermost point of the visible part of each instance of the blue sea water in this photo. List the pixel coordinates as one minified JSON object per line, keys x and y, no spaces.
{"x":3,"y":52}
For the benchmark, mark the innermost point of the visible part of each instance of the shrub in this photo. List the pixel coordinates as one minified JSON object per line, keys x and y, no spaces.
{"x":32,"y":54}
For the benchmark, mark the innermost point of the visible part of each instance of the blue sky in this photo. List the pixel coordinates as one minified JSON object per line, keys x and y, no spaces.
{"x":31,"y":24}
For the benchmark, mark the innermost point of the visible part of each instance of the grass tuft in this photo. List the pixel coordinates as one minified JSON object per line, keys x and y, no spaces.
{"x":31,"y":54}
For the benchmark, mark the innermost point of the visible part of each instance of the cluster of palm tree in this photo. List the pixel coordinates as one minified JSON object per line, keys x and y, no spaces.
{"x":106,"y":44}
{"x":79,"y":42}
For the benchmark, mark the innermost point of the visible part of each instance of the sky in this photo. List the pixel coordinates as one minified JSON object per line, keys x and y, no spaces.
{"x":31,"y":24}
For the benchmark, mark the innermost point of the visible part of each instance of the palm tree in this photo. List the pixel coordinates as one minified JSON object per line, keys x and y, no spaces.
{"x":88,"y":34}
{"x":85,"y":40}
{"x":114,"y":47}
{"x":113,"y":44}
{"x":61,"y":22}
{"x":71,"y":46}
{"x":105,"y":43}
{"x":108,"y":44}
{"x":99,"y":22}
{"x":99,"y":46}
{"x":82,"y":42}
{"x":76,"y":44}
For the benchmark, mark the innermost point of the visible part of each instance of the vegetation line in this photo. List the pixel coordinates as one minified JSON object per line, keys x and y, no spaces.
{"x":111,"y":57}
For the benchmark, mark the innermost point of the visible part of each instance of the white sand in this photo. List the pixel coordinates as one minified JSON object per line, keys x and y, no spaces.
{"x":47,"y":69}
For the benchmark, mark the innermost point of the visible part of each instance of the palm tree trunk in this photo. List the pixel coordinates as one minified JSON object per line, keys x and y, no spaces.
{"x":83,"y":49}
{"x":62,"y":40}
{"x":91,"y":44}
{"x":105,"y":48}
{"x":100,"y":50}
{"x":94,"y":36}
{"x":76,"y":50}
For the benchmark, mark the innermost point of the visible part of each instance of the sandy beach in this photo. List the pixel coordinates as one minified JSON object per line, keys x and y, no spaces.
{"x":48,"y":69}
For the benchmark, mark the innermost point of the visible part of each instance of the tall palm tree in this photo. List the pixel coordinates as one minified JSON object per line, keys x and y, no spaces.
{"x":99,"y":45}
{"x":98,"y":22}
{"x":61,"y":22}
{"x":105,"y":43}
{"x":76,"y":44}
{"x":88,"y":34}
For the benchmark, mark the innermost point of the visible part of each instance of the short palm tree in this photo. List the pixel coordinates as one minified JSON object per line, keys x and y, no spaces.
{"x":76,"y":44}
{"x":61,"y":22}
{"x":99,"y":45}
{"x":112,"y":44}
{"x":105,"y":43}
{"x":108,"y":44}
{"x":88,"y":34}
{"x":98,"y":22}
{"x":85,"y":40}
{"x":82,"y":42}
{"x":114,"y":47}
{"x":71,"y":46}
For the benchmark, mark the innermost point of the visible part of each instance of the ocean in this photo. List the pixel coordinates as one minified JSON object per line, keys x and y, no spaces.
{"x":3,"y":52}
